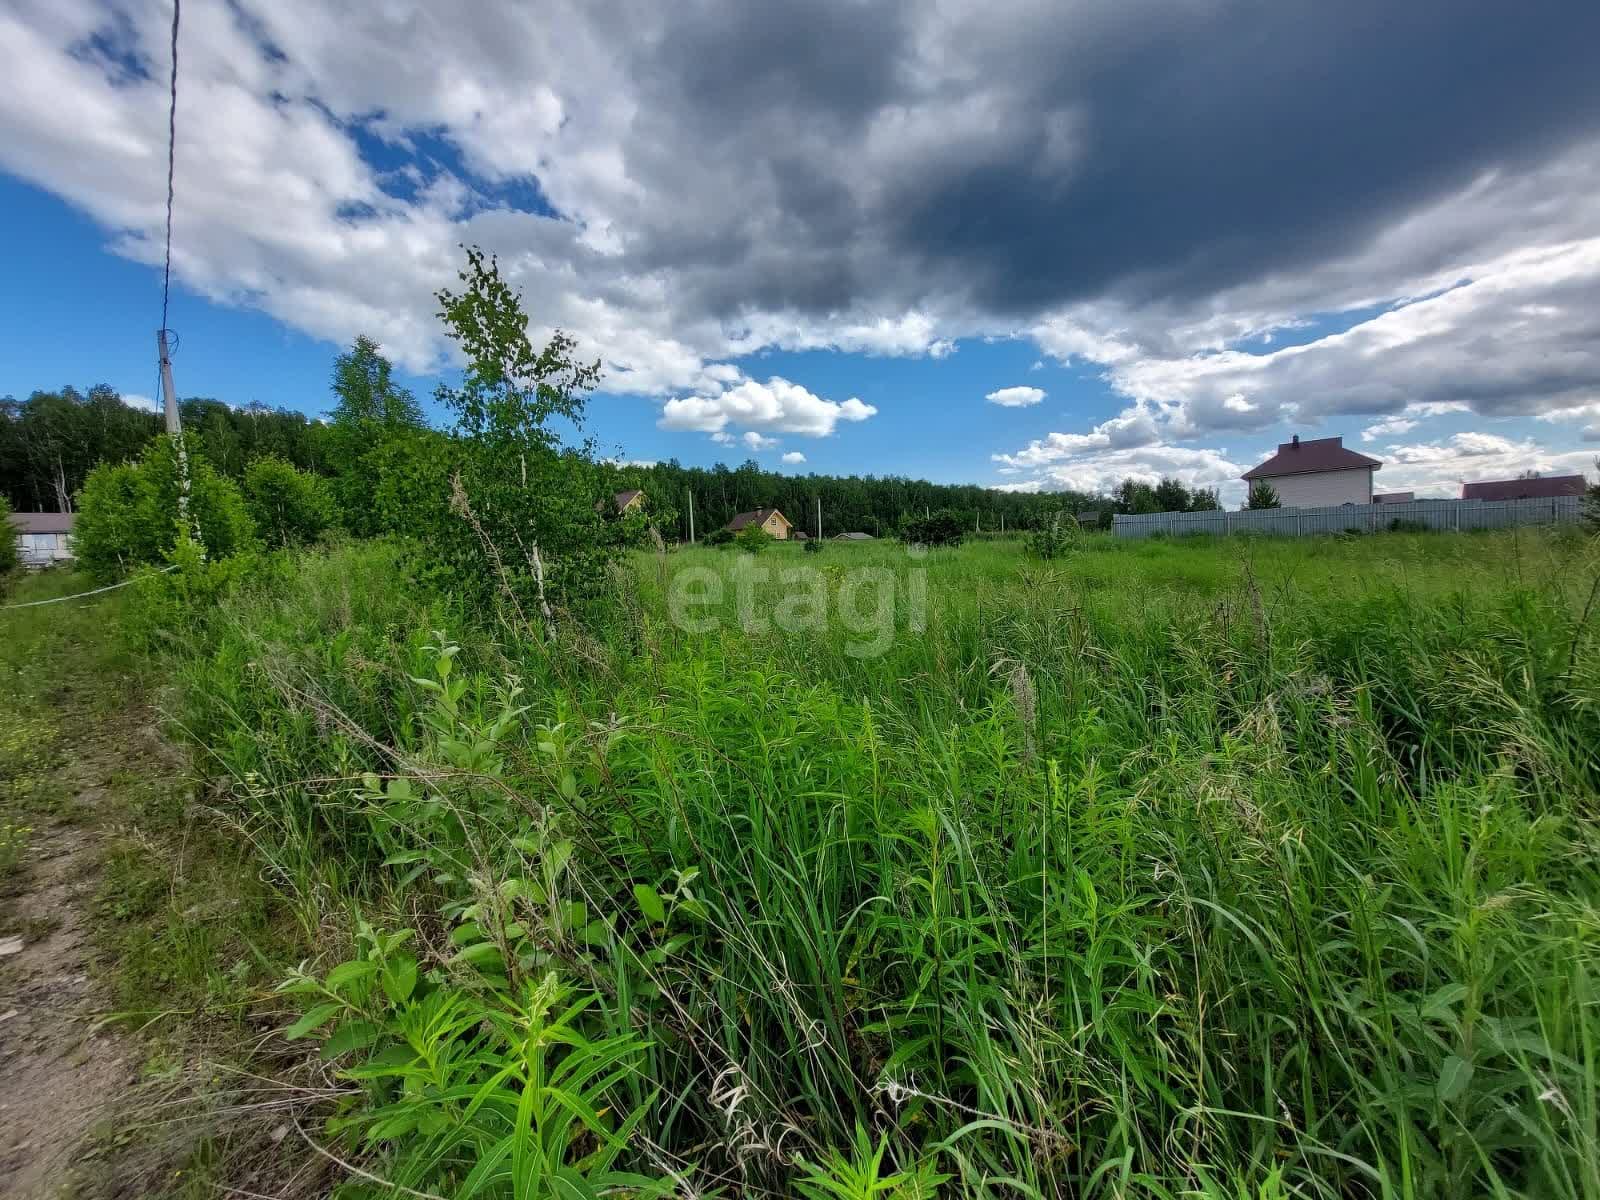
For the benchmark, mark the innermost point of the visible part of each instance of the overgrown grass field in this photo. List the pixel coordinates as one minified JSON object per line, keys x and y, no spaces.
{"x":1227,"y":869}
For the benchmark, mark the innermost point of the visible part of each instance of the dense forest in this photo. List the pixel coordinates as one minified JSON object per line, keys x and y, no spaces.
{"x":52,"y":440}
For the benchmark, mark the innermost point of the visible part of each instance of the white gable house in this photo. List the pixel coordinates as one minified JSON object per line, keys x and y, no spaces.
{"x":1316,"y":473}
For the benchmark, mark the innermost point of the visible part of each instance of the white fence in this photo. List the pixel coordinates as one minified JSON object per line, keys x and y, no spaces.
{"x":1356,"y":518}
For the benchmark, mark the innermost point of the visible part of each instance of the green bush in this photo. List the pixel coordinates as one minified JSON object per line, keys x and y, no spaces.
{"x":9,"y":556}
{"x":813,"y":545}
{"x":942,"y":528}
{"x":753,"y":539}
{"x":288,"y":506}
{"x":1056,"y":537}
{"x":128,"y":513}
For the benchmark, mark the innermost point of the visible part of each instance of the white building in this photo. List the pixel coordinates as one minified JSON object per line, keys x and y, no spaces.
{"x":42,"y":538}
{"x":1316,"y":473}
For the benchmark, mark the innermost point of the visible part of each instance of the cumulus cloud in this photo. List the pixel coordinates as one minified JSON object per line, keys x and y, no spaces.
{"x":1101,"y":470}
{"x":757,"y":441}
{"x":794,"y":458}
{"x":140,"y":401}
{"x":1409,"y":417}
{"x":1016,"y":397}
{"x":1439,"y":468}
{"x":776,"y":406}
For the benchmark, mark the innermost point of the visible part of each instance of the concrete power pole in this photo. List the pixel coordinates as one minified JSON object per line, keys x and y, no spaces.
{"x":819,"y":518}
{"x":169,"y":398}
{"x":169,"y":404}
{"x":691,"y":516}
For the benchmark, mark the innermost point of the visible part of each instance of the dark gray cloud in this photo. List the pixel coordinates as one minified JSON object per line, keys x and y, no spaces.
{"x":1160,"y":153}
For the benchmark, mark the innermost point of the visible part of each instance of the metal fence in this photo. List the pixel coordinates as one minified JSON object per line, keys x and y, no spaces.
{"x":1357,"y":518}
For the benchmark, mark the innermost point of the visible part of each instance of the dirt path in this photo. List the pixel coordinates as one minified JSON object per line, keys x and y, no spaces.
{"x":63,"y":1072}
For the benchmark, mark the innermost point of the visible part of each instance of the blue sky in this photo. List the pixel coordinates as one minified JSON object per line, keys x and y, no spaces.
{"x":832,"y":230}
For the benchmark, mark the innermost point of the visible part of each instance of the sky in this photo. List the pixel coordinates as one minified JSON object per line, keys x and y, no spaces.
{"x":1032,"y":245}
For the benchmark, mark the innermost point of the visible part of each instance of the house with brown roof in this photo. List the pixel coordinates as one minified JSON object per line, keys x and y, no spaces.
{"x":1542,"y":487}
{"x":773,"y":522}
{"x":1315,"y":473}
{"x":42,"y":538}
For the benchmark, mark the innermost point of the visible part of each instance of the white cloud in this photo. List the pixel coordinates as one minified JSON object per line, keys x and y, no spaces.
{"x":1016,"y":397}
{"x":794,"y":458}
{"x":1410,"y":417}
{"x":137,"y":400}
{"x":757,"y":441}
{"x":1135,"y":427}
{"x":1101,"y":470}
{"x":776,"y":406}
{"x":1439,"y":468}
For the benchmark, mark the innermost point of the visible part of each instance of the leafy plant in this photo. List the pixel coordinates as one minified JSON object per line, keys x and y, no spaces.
{"x":128,"y":514}
{"x":289,"y":507}
{"x":941,"y":528}
{"x":468,"y":1092}
{"x":753,"y":539}
{"x":8,"y":543}
{"x":1056,"y":537}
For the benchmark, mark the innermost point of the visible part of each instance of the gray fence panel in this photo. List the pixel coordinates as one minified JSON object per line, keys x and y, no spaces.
{"x":1357,"y":518}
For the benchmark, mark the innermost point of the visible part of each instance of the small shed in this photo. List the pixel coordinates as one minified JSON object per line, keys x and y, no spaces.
{"x":43,"y":538}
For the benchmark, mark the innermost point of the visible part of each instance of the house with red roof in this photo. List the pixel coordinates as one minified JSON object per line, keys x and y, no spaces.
{"x":1315,"y":473}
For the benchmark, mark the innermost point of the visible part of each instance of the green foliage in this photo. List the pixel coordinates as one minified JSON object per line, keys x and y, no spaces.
{"x":1591,"y":502}
{"x":128,"y":513}
{"x":753,"y":539}
{"x":1262,"y":495}
{"x":289,"y":507}
{"x":1056,"y":537}
{"x":942,"y":528}
{"x":472,"y":1092}
{"x":9,"y":555}
{"x":1116,"y":879}
{"x":1204,"y":500}
{"x":722,"y":536}
{"x":527,"y":501}
{"x":375,"y":425}
{"x":813,"y":545}
{"x":50,"y":441}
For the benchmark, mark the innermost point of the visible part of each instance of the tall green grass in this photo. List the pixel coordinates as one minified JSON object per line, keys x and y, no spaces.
{"x":1177,"y":869}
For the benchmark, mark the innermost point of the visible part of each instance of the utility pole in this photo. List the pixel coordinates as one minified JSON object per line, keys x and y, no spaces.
{"x":168,"y":396}
{"x":169,"y":403}
{"x":691,"y":516}
{"x":819,"y":518}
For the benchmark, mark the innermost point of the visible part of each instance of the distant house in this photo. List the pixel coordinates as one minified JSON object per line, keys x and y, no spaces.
{"x":1541,"y":488}
{"x":1394,"y":497}
{"x":769,"y":519}
{"x":852,"y":537}
{"x":1316,"y":473}
{"x":1089,"y":519}
{"x":621,"y":502}
{"x":799,"y":535}
{"x":43,"y":538}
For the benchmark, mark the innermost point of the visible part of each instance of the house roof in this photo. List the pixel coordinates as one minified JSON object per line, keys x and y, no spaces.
{"x":623,"y":499}
{"x":754,"y":517}
{"x":1393,"y":497}
{"x":50,"y":522}
{"x":1524,"y":489}
{"x":1297,"y":457}
{"x":852,"y":537}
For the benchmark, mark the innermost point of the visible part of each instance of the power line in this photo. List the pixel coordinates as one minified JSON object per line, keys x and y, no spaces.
{"x":172,"y":158}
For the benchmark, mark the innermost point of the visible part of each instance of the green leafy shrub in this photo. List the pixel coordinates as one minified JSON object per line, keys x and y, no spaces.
{"x":128,"y":513}
{"x":289,"y":506}
{"x":9,"y":556}
{"x":718,"y":537}
{"x":813,"y":545}
{"x":942,"y":528}
{"x":753,"y":539}
{"x":1056,"y":537}
{"x":470,"y":1091}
